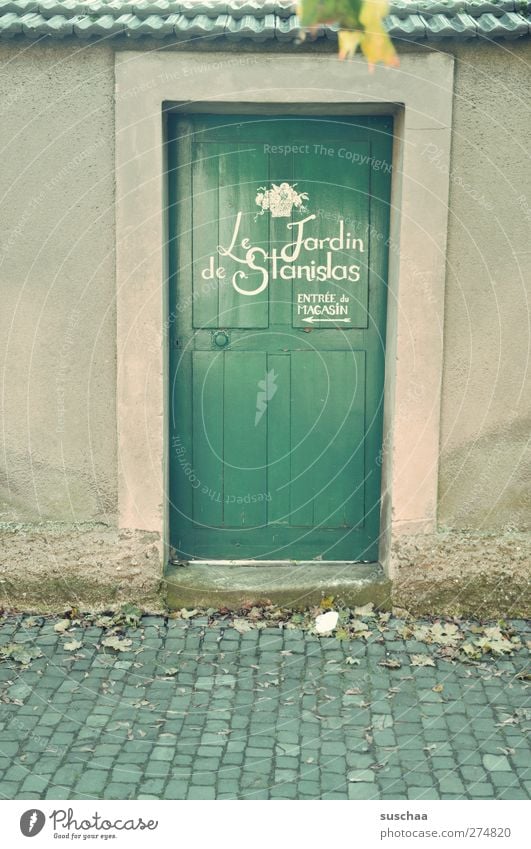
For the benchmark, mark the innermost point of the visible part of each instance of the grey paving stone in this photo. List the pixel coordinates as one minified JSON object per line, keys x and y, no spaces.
{"x":9,"y":748}
{"x":115,"y":790}
{"x":504,"y":779}
{"x":204,"y":779}
{"x":422,"y":793}
{"x":513,"y":793}
{"x":154,"y":786}
{"x":283,"y":791}
{"x":232,"y":759}
{"x":451,"y":784}
{"x":496,"y":763}
{"x":92,"y":782}
{"x":328,"y":748}
{"x":35,"y":783}
{"x":361,"y":775}
{"x":481,"y":791}
{"x":311,"y":789}
{"x":362,"y":791}
{"x":213,"y":728}
{"x":127,"y":774}
{"x":337,"y":765}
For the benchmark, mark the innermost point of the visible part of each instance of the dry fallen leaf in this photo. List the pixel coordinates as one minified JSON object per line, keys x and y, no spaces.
{"x":495,"y":642}
{"x":422,"y":660}
{"x":188,"y":614}
{"x":390,"y":663}
{"x":20,"y":652}
{"x":360,"y":629}
{"x":445,"y":634}
{"x":117,"y":643}
{"x":366,"y":610}
{"x":242,"y":626}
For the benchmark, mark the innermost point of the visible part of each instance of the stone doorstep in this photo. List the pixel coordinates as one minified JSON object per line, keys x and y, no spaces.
{"x":294,"y":584}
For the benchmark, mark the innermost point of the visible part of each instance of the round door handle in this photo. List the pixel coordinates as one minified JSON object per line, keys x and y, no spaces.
{"x":221,"y":339}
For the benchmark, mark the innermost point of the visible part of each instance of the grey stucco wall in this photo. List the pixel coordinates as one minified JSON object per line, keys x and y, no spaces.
{"x":57,"y":323}
{"x":57,"y":316}
{"x":485,"y":472}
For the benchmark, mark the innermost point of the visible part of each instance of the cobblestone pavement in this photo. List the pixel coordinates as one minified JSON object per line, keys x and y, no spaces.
{"x":200,"y":711}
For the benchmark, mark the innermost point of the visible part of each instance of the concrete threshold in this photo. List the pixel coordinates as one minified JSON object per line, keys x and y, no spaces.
{"x":294,"y":584}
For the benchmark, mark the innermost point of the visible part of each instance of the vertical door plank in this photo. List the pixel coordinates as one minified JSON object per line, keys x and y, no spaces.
{"x":280,"y":171}
{"x":181,"y":446}
{"x":245,"y":443}
{"x":338,"y":473}
{"x":381,"y":151}
{"x":178,"y":326}
{"x":242,"y":169}
{"x":278,"y":439}
{"x":327,"y":433}
{"x":205,"y":233}
{"x":338,"y":190}
{"x":307,"y":403}
{"x":206,"y":475}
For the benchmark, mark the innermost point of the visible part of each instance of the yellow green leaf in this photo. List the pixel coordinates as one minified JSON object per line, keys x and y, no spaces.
{"x":360,"y":23}
{"x":349,"y":41}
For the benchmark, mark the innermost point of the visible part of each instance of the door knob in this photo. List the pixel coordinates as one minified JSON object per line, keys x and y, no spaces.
{"x":220,"y":339}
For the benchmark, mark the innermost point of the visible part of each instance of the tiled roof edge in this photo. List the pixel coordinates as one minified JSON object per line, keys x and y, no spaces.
{"x":256,"y":20}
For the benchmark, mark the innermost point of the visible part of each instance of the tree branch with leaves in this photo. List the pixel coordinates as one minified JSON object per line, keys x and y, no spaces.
{"x":361,"y":25}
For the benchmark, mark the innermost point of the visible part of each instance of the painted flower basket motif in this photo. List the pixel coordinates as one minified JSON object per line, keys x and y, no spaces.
{"x":280,"y":200}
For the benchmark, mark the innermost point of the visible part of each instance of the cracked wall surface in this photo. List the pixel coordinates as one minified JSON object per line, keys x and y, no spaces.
{"x":485,"y":470}
{"x":58,"y":322}
{"x":54,"y":566}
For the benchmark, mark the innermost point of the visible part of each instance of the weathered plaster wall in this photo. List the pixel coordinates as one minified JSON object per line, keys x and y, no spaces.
{"x":464,"y":573}
{"x":58,"y":333}
{"x":57,"y":316}
{"x":54,"y":566}
{"x":485,"y":472}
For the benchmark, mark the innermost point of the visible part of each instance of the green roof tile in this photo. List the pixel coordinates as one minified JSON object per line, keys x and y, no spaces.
{"x":256,"y":20}
{"x":10,"y":25}
{"x":444,"y":26}
{"x":406,"y":27}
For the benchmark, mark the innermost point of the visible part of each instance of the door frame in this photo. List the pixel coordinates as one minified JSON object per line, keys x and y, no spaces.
{"x":419,"y":95}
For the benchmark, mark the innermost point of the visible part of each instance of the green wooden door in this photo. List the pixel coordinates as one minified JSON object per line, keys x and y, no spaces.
{"x":278,"y":281}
